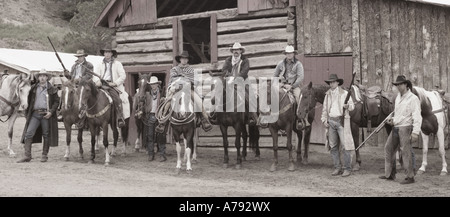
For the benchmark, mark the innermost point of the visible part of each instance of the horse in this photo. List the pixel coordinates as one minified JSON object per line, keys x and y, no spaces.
{"x":433,"y":123}
{"x":139,"y":110}
{"x":312,"y":94}
{"x":14,"y":90}
{"x":286,"y":121}
{"x":236,"y":119}
{"x":96,"y":104}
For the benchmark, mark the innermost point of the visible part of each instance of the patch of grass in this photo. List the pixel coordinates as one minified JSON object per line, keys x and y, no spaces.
{"x":36,"y":33}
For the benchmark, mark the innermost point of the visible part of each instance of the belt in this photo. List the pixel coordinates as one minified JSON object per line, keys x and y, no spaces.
{"x":40,"y":110}
{"x":337,"y":119}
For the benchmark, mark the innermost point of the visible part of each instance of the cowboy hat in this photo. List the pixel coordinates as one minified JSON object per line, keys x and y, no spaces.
{"x":154,"y":80}
{"x":289,"y":49}
{"x":43,"y":72}
{"x":81,"y":53}
{"x":184,"y":54}
{"x":334,"y":77}
{"x":108,"y":48}
{"x":237,"y":46}
{"x":401,"y":79}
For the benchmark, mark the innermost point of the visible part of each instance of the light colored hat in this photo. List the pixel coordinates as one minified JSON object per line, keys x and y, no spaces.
{"x":43,"y":72}
{"x":154,"y":80}
{"x":290,"y":49}
{"x":236,"y":46}
{"x":81,"y":53}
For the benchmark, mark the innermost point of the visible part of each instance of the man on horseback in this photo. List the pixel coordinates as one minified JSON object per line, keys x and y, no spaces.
{"x":407,"y":121}
{"x":333,"y":119}
{"x":112,"y":72}
{"x":80,"y":67}
{"x":238,"y":65}
{"x":291,"y":72}
{"x":43,"y":101}
{"x":185,"y":71}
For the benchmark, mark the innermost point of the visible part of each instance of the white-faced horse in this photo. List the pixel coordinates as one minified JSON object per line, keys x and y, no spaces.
{"x":433,"y":123}
{"x":14,"y":91}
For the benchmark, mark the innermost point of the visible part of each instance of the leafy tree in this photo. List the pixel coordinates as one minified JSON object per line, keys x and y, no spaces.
{"x":83,"y":34}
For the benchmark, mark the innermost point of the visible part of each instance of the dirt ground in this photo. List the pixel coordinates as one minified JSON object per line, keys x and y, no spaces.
{"x":133,"y":175}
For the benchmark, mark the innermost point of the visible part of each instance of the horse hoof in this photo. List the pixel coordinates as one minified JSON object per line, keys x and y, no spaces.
{"x":193,"y":161}
{"x":273,"y":168}
{"x":66,"y":158}
{"x":12,"y":155}
{"x":291,"y":167}
{"x":225,"y":166}
{"x":177,"y":171}
{"x":136,"y":150}
{"x":238,"y":166}
{"x":357,"y":167}
{"x":91,"y":162}
{"x":443,"y":173}
{"x":189,"y":172}
{"x":305,"y":162}
{"x":244,"y":159}
{"x":106,"y":164}
{"x":420,"y":172}
{"x":257,"y":158}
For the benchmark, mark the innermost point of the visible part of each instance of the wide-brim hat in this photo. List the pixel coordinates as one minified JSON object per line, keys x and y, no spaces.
{"x":290,"y":49}
{"x":334,"y":77}
{"x":42,"y":72}
{"x":108,"y":48}
{"x":184,"y":54}
{"x":401,"y":79}
{"x":81,"y":53}
{"x":237,"y":46}
{"x":154,"y":80}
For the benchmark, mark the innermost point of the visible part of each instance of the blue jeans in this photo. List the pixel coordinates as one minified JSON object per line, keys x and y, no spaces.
{"x":399,"y":139}
{"x":151,"y":136}
{"x":336,"y":141}
{"x":37,"y":120}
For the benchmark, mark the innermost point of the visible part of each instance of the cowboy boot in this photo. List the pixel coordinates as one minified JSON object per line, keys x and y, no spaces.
{"x":27,"y":147}
{"x":45,"y":150}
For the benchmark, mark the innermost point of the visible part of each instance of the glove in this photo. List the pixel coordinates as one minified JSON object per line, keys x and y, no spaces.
{"x":414,"y":138}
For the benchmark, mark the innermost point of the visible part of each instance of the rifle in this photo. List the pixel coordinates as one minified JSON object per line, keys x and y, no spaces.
{"x":348,"y":137}
{"x":380,"y":126}
{"x":57,"y":55}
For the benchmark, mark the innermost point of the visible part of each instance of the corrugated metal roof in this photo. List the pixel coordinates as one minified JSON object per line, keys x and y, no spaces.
{"x":30,"y":61}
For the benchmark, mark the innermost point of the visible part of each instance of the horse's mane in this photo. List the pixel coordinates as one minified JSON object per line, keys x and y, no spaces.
{"x":91,"y":84}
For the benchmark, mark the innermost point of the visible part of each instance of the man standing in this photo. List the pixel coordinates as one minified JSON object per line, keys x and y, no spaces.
{"x":407,"y":122}
{"x":43,"y":102}
{"x":238,"y":65}
{"x":333,"y":119}
{"x":112,"y":72}
{"x":291,"y":72}
{"x":185,"y":71}
{"x":81,"y":66}
{"x":153,"y":99}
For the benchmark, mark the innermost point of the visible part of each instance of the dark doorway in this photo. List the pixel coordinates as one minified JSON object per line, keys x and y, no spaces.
{"x":168,"y":8}
{"x":197,"y":39}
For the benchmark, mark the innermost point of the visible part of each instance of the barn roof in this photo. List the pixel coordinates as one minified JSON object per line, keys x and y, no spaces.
{"x":30,"y":61}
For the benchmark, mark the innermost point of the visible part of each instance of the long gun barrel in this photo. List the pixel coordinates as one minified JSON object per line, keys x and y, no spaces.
{"x":57,"y":55}
{"x":380,"y":126}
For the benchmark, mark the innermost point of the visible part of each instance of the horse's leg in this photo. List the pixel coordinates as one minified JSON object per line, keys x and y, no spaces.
{"x":441,"y":138}
{"x":254,"y":140}
{"x":306,"y":140}
{"x":93,"y":139}
{"x":97,"y":143}
{"x":189,"y":143}
{"x":68,"y":128}
{"x":299,"y":146}
{"x":425,"y":140}
{"x":137,"y":144}
{"x":237,"y":143}
{"x":80,"y":142}
{"x":195,"y":141}
{"x":224,"y":129}
{"x":11,"y":122}
{"x":115,"y":139}
{"x":274,"y":134}
{"x":176,"y":138}
{"x":355,"y":135}
{"x":124,"y":136}
{"x":106,"y":144}
{"x":244,"y":138}
{"x":289,"y":147}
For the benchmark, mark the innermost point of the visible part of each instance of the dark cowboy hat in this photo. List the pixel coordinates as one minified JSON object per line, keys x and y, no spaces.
{"x":184,"y":54}
{"x":108,"y":48}
{"x":81,"y":53}
{"x":401,"y":79}
{"x":334,"y":77}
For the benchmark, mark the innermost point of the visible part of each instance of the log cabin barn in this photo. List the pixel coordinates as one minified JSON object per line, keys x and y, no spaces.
{"x":378,"y":39}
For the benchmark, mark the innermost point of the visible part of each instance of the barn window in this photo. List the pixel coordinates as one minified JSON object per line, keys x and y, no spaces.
{"x":168,"y":8}
{"x":197,"y":39}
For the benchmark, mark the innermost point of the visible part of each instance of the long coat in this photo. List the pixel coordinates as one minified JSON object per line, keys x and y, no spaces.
{"x":85,"y":67}
{"x":53,"y":120}
{"x":244,"y":67}
{"x":118,"y":78}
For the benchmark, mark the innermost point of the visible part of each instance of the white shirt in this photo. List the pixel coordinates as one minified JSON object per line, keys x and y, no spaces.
{"x":336,"y":110}
{"x":407,"y":111}
{"x":107,"y":75}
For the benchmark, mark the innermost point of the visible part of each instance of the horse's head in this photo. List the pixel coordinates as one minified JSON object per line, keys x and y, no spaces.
{"x":69,"y":96}
{"x":87,"y":90}
{"x":182,"y":105}
{"x":143,"y":87}
{"x":22,"y":90}
{"x":307,"y":101}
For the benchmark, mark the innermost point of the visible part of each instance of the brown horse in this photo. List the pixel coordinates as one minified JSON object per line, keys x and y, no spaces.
{"x":139,"y":104}
{"x":312,"y":94}
{"x":96,"y":104}
{"x":14,"y":91}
